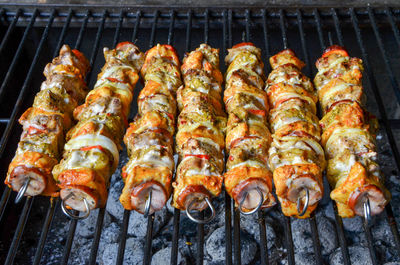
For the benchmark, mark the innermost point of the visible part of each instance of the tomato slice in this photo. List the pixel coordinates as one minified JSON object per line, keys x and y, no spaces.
{"x":119,"y":45}
{"x":87,"y":148}
{"x":335,"y":49}
{"x":257,"y":112}
{"x":206,"y":157}
{"x":34,"y":130}
{"x":243,"y":44}
{"x":115,"y":80}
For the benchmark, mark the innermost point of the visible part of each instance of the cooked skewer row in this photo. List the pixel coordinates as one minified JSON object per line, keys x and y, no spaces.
{"x":296,"y":156}
{"x":247,"y":180}
{"x":200,"y":136}
{"x":45,"y":125}
{"x":92,"y":152}
{"x":348,"y":137}
{"x":149,"y":139}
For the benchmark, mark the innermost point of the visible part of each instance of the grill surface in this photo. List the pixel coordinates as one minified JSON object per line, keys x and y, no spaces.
{"x":30,"y":37}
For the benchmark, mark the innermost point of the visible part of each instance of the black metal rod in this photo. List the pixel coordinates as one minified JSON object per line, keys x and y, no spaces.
{"x":303,"y":42}
{"x":100,"y":217}
{"x":95,"y":49}
{"x":82,"y":30}
{"x":230,"y":28}
{"x":149,"y":238}
{"x":318,"y":22}
{"x":73,"y":223}
{"x":10,"y":30}
{"x":389,"y":69}
{"x":393,"y":227}
{"x":175,"y":237}
{"x":122,"y":242}
{"x":63,"y":33}
{"x":248,"y":24}
{"x":12,"y":251}
{"x":315,"y":237}
{"x":337,"y":27}
{"x":206,"y":25}
{"x":263,"y":239}
{"x":370,"y":243}
{"x":18,"y":53}
{"x":200,"y":241}
{"x":171,"y":27}
{"x":338,"y":220}
{"x":70,"y":239}
{"x":266,"y":39}
{"x":4,"y":200}
{"x":45,"y":230}
{"x":18,"y":104}
{"x":395,"y":29}
{"x":189,"y":31}
{"x":228,"y":210}
{"x":379,"y":101}
{"x":136,"y":28}
{"x":236,"y":235}
{"x":289,"y":240}
{"x":153,"y":28}
{"x":283,"y":28}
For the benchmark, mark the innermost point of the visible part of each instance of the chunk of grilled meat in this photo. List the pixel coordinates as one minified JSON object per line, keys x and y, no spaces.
{"x":348,"y":135}
{"x":46,"y":122}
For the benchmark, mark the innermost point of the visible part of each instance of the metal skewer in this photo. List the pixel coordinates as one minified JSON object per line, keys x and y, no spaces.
{"x":22,"y":190}
{"x":302,"y":212}
{"x":258,"y":206}
{"x":71,"y":215}
{"x":367,"y":210}
{"x":199,"y":221}
{"x":148,"y":203}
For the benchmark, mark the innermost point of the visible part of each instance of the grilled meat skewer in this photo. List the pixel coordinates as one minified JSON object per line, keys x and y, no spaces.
{"x":92,"y":152}
{"x":201,"y":125}
{"x":296,"y":156}
{"x":149,"y":139}
{"x":248,"y":137}
{"x":348,"y":135}
{"x":46,"y":122}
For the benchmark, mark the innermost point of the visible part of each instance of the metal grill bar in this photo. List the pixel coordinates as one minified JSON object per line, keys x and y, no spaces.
{"x":73,"y":222}
{"x":45,"y":230}
{"x":338,"y":219}
{"x":395,"y":29}
{"x":312,"y":220}
{"x":10,"y":74}
{"x":177,"y":212}
{"x":19,"y":231}
{"x":53,"y":202}
{"x":227,"y":199}
{"x":284,"y":20}
{"x":102,"y":211}
{"x":382,"y":111}
{"x":386,"y":61}
{"x":125,"y":220}
{"x":10,"y":30}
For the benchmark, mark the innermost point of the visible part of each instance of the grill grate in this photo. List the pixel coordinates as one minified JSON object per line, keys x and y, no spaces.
{"x":198,"y":26}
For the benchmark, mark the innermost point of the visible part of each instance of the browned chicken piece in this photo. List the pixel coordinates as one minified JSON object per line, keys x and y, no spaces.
{"x":296,"y":156}
{"x":92,"y":152}
{"x":149,"y":139}
{"x":348,"y":135}
{"x":46,"y":122}
{"x":247,"y":135}
{"x":200,"y":136}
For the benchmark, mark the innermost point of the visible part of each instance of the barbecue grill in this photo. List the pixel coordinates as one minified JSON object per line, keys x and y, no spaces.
{"x":30,"y":35}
